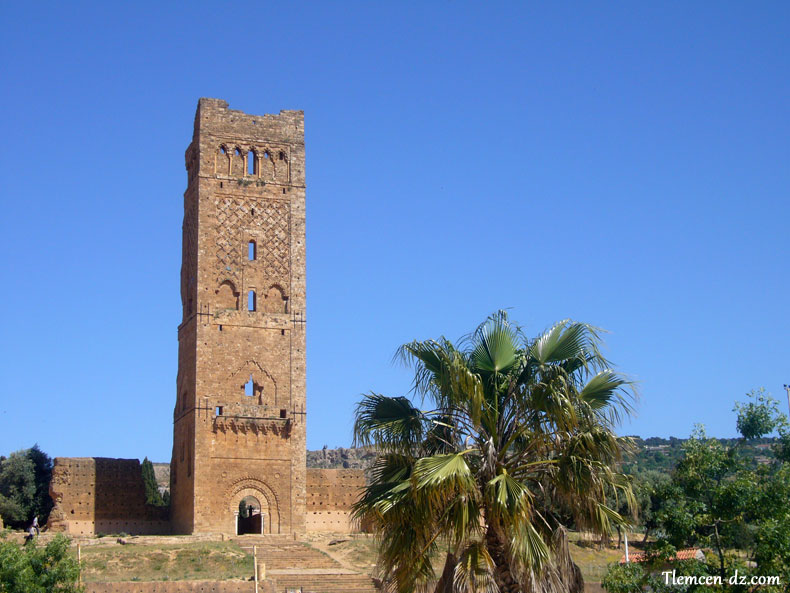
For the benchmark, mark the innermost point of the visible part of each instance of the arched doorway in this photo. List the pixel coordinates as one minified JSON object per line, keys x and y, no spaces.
{"x":262,"y":518}
{"x":251,"y":519}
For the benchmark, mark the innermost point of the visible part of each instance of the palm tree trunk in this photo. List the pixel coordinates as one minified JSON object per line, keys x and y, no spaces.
{"x":503,"y":575}
{"x":561,"y":576}
{"x":445,"y":582}
{"x":567,"y":572}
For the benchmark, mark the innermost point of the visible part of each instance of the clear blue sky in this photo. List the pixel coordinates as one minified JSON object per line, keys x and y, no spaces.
{"x":625,"y":164}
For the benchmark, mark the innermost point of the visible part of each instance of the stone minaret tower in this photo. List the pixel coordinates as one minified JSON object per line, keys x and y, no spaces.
{"x":238,"y":461}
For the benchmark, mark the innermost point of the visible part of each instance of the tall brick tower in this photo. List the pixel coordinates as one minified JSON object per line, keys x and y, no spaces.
{"x":238,"y":462}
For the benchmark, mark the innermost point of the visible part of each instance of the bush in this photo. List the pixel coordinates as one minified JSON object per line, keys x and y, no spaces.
{"x":34,"y":569}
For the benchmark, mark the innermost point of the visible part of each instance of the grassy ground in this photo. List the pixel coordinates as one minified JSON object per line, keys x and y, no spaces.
{"x":152,"y":561}
{"x":359,"y":553}
{"x":162,"y":562}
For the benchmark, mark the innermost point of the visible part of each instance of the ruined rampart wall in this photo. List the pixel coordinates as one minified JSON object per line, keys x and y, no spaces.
{"x":330,"y":496}
{"x":180,"y":587}
{"x":101,"y":495}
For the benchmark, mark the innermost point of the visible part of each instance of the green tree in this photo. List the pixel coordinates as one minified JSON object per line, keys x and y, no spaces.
{"x":24,"y":487}
{"x":758,"y":417}
{"x":719,"y":498}
{"x":34,"y":569}
{"x":152,"y":495}
{"x":518,"y":440}
{"x":712,"y":494}
{"x":17,"y":489}
{"x":42,"y":472}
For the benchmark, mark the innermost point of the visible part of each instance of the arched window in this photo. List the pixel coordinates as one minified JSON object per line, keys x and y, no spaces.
{"x":249,"y":387}
{"x":252,"y":163}
{"x":251,"y":300}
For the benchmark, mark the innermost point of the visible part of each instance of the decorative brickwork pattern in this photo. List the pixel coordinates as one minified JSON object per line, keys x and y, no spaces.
{"x":236,"y":217}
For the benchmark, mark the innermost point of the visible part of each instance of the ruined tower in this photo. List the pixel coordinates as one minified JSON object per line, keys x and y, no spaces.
{"x":238,"y":463}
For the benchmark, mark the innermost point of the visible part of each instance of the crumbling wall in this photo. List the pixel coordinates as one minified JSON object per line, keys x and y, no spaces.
{"x":101,"y":495}
{"x":180,"y":587}
{"x":330,"y":495}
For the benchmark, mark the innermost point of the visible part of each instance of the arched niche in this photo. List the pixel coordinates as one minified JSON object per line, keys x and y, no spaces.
{"x":280,"y":164}
{"x":274,"y":300}
{"x":222,"y":161}
{"x":264,"y":387}
{"x":226,"y":297}
{"x":238,"y":159}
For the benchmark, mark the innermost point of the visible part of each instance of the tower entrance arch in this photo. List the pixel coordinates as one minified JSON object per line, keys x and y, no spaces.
{"x":253,"y":509}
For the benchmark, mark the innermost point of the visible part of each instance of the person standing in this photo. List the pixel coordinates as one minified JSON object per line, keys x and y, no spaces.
{"x":35,"y":525}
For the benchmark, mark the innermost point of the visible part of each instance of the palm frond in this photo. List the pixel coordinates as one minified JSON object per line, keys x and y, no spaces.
{"x":474,"y":570}
{"x":608,"y":394}
{"x":451,"y":470}
{"x":389,"y":422}
{"x":569,"y":340}
{"x":495,"y":346}
{"x":528,"y":549}
{"x":509,"y":496}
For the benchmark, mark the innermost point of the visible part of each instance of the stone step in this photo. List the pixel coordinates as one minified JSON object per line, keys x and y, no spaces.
{"x":346,"y":583}
{"x":289,"y":555}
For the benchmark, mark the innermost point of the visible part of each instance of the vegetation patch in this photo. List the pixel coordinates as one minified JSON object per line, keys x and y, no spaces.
{"x":174,"y":562}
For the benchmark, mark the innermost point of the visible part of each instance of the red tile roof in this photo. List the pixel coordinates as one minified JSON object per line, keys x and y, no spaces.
{"x":687,"y":554}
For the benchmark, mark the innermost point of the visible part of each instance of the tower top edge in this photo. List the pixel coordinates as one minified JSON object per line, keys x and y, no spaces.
{"x":213,"y":116}
{"x":220,"y":105}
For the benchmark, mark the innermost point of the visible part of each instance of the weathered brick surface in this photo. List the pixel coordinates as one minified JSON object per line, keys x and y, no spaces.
{"x":180,"y":587}
{"x":100,"y":495}
{"x":228,"y":445}
{"x":330,"y":495}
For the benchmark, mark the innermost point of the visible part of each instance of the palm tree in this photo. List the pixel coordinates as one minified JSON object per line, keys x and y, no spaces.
{"x":518,"y":443}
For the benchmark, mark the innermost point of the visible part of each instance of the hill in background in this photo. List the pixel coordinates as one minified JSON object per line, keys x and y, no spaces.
{"x":653,"y":454}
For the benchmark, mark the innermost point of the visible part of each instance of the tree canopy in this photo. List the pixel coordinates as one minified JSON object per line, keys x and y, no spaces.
{"x":517,"y":441}
{"x":24,"y":487}
{"x":722,"y":500}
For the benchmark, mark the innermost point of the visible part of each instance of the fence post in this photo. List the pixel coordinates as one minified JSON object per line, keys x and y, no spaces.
{"x":255,"y":562}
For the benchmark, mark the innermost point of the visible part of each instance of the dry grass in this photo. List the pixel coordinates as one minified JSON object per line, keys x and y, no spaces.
{"x":215,"y":560}
{"x":359,"y":553}
{"x":174,"y":562}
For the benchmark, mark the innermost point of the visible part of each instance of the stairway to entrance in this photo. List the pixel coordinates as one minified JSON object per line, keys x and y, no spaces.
{"x":297,"y":567}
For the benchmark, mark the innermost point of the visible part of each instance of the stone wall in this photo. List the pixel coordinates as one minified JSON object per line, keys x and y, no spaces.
{"x":180,"y":587}
{"x":100,"y":495}
{"x":330,"y":496}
